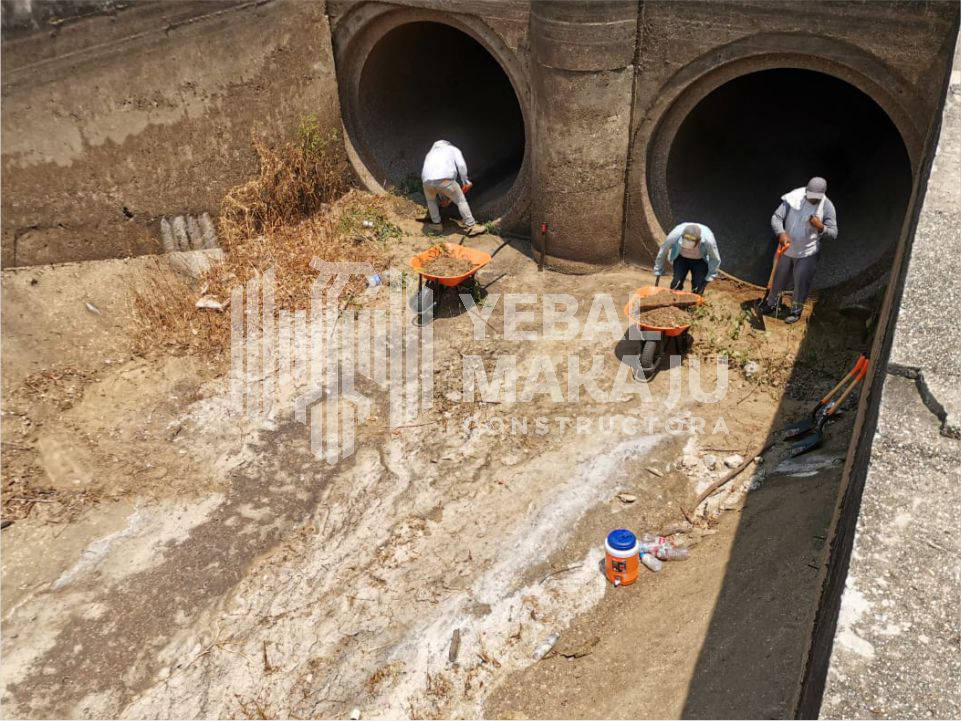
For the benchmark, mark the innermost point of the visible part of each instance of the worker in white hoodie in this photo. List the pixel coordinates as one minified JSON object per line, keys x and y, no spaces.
{"x":442,"y":167}
{"x":804,"y":218}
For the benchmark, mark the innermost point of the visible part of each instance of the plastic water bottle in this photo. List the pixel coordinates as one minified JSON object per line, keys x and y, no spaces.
{"x":651,"y":562}
{"x":649,"y":543}
{"x":544,"y":647}
{"x":670,"y":552}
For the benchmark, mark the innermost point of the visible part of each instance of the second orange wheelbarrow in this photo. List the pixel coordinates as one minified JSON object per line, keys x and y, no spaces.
{"x":656,"y":340}
{"x":427,"y":299}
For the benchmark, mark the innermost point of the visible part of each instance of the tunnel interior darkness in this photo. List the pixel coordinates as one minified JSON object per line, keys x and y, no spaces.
{"x":760,"y":135}
{"x":426,"y":81}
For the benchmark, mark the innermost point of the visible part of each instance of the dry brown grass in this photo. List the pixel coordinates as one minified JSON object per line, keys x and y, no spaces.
{"x":296,"y":210}
{"x":295,"y":180}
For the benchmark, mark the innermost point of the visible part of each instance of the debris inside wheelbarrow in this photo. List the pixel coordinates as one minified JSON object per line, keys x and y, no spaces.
{"x":660,"y":329}
{"x":473,"y":261}
{"x":664,"y":316}
{"x":446,"y":265}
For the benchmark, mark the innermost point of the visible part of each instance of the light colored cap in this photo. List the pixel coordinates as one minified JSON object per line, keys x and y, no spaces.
{"x":816,"y":187}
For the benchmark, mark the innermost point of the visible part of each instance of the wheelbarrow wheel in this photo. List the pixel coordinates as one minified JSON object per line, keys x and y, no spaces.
{"x":650,"y":356}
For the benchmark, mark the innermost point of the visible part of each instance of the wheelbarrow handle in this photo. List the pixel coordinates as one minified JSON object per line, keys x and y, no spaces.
{"x":847,"y":391}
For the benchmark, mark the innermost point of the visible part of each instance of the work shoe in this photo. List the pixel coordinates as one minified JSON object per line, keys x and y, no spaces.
{"x":763,"y":308}
{"x":436,"y":227}
{"x":795,"y":315}
{"x":475,"y":230}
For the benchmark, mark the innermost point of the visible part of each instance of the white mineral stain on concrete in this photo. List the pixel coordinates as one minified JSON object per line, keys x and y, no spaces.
{"x":853,"y":607}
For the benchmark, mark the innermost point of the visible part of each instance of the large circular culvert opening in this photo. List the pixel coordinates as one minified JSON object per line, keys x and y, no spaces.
{"x":425,"y":81}
{"x":762,"y":134}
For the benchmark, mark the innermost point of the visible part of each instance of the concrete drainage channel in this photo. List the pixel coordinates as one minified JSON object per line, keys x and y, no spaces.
{"x":607,"y":123}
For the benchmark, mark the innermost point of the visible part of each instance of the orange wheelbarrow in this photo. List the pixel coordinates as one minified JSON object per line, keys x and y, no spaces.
{"x":425,"y":302}
{"x":657,"y":340}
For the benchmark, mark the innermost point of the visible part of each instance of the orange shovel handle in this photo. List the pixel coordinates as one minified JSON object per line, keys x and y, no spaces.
{"x":847,"y":391}
{"x":862,"y":360}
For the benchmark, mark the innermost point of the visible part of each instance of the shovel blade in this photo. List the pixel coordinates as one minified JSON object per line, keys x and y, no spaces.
{"x":807,"y":443}
{"x":797,"y":429}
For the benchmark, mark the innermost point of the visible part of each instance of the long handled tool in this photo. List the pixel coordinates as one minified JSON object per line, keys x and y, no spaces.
{"x":806,"y":425}
{"x":816,"y":437}
{"x":767,"y":291}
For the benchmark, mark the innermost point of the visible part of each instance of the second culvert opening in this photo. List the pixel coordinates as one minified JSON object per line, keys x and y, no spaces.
{"x":762,"y":134}
{"x":426,"y":81}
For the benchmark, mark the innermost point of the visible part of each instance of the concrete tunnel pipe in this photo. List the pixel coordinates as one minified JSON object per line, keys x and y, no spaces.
{"x":758,"y":135}
{"x":424,"y":80}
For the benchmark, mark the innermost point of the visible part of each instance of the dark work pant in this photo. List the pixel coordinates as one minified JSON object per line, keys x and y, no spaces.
{"x":801,"y":270}
{"x":697,"y":269}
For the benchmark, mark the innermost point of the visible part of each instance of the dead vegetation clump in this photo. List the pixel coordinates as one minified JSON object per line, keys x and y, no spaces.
{"x":298,"y":209}
{"x":295,"y":181}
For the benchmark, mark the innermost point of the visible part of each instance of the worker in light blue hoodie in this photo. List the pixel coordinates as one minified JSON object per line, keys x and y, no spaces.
{"x":690,"y":248}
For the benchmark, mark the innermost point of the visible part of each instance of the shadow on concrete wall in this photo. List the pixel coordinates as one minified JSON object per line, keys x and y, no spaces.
{"x":771,"y":630}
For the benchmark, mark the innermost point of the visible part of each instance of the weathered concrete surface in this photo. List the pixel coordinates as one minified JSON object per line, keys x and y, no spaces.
{"x":895,"y":54}
{"x":896,"y":649}
{"x":115,"y":120}
{"x":583,"y":59}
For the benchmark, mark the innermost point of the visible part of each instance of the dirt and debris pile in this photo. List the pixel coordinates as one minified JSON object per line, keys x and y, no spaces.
{"x":447,"y":266}
{"x":664,"y":317}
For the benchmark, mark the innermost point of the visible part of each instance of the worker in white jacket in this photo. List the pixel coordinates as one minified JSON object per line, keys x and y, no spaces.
{"x":805,"y":217}
{"x":442,"y":167}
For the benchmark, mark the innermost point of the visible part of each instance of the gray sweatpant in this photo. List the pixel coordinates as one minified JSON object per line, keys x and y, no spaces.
{"x":449,"y":188}
{"x":802,"y":272}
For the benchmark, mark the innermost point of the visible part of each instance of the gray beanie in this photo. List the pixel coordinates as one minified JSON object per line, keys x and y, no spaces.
{"x":692,"y":230}
{"x":816,"y":187}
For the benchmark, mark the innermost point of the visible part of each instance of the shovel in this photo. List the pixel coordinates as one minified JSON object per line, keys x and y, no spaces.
{"x":809,"y":424}
{"x":770,"y":284}
{"x":815,"y":438}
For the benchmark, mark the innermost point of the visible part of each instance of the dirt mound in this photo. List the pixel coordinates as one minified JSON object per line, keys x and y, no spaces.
{"x":447,"y":265}
{"x":664,"y":317}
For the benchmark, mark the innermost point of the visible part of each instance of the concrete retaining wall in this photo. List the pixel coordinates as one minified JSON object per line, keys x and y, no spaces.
{"x":114,"y":119}
{"x":138,"y":111}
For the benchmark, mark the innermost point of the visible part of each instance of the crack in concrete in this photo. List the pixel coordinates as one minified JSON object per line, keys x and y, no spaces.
{"x":916,"y":373}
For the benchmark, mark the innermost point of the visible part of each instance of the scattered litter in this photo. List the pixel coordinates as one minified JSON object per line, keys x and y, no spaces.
{"x":211,"y":303}
{"x":751,"y":369}
{"x":733,"y":461}
{"x":710,"y":461}
{"x":651,"y":562}
{"x":545,"y":646}
{"x":368,"y":224}
{"x":654,"y":472}
{"x":626,"y":497}
{"x":374,"y":279}
{"x":92,"y":308}
{"x":355,"y":714}
{"x":454,"y":646}
{"x":670,"y":552}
